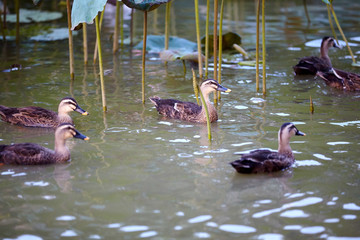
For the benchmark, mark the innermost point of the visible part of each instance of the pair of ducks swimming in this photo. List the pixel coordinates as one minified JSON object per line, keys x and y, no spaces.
{"x":257,"y":161}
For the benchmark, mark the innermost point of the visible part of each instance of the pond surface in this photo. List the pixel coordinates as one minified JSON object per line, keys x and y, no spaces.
{"x":142,"y":176}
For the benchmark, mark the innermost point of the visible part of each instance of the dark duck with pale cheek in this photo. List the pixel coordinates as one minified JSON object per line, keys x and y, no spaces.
{"x":266,"y":161}
{"x":188,"y":111}
{"x":41,"y":117}
{"x":34,"y":154}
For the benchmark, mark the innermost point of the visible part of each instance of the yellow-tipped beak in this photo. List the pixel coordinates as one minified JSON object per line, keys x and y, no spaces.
{"x":85,"y":113}
{"x":229,"y":90}
{"x":87,"y":138}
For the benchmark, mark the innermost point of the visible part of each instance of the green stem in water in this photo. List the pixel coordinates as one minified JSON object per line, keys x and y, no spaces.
{"x":195,"y":86}
{"x":342,"y":33}
{"x":116,"y":28}
{"x":207,"y":115}
{"x":257,"y":44}
{"x":207,"y":39}
{"x":71,"y":47}
{"x":100,"y":63}
{"x":215,"y":44}
{"x":143,"y":58}
{"x":96,"y":45}
{"x":220,"y":43}
{"x":306,"y":11}
{"x":122,"y":25}
{"x":198,"y":37}
{"x":331,"y":24}
{"x":263,"y":47}
{"x":85,"y":45}
{"x":167,"y":27}
{"x":17,"y":6}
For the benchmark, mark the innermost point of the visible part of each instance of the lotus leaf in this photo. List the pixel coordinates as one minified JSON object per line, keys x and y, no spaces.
{"x":28,"y":16}
{"x":229,"y":39}
{"x":144,"y":5}
{"x":84,"y":11}
{"x":155,"y":43}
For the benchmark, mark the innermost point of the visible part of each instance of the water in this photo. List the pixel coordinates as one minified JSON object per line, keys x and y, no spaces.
{"x":142,"y":176}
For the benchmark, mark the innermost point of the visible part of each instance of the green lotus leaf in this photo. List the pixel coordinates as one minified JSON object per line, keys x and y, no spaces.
{"x":84,"y":11}
{"x":228,"y":39}
{"x":53,"y":35}
{"x":144,"y":5}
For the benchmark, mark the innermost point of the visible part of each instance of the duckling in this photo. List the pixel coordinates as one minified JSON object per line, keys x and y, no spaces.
{"x":189,"y":111}
{"x":311,"y":65}
{"x":34,"y":154}
{"x":40,"y":117}
{"x":266,"y":161}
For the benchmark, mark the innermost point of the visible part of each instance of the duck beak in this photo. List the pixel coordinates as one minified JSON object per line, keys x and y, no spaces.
{"x":80,"y":110}
{"x":336,"y":45}
{"x":299,"y":133}
{"x":223,"y":89}
{"x":81,"y":136}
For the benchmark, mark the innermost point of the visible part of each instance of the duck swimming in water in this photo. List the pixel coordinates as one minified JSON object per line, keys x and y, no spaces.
{"x":41,"y":117}
{"x":311,"y":65}
{"x":266,"y":161}
{"x":34,"y":154}
{"x":189,"y":111}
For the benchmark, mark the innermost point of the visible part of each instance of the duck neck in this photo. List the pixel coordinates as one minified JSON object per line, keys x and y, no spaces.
{"x":284,"y":146}
{"x":324,"y":54}
{"x":63,"y":116}
{"x":62,"y":153}
{"x":210,"y":107}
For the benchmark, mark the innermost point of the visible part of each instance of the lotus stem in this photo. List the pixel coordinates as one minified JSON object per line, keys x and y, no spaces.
{"x":215,"y":44}
{"x":96,"y":45}
{"x":342,"y":33}
{"x":167,"y":27}
{"x":17,"y":10}
{"x":122,"y":25}
{"x":207,"y":115}
{"x":263,"y":47}
{"x":116,"y":28}
{"x":100,"y":63}
{"x":306,"y":12}
{"x":195,"y":86}
{"x":220,"y":43}
{"x":2,"y":28}
{"x":184,"y":66}
{"x":143,"y":58}
{"x":132,"y":27}
{"x":311,"y":106}
{"x":207,"y":39}
{"x":257,"y":44}
{"x":331,"y":24}
{"x":4,"y":8}
{"x":85,"y":45}
{"x":198,"y":38}
{"x":71,"y":47}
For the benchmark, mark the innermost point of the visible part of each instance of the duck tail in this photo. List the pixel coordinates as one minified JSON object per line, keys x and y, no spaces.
{"x":240,"y":167}
{"x":2,"y":109}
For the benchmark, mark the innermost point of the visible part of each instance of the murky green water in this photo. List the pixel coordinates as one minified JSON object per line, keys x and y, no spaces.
{"x":141,"y":176}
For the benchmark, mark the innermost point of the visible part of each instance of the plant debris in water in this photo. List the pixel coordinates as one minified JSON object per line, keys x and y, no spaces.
{"x":53,"y":35}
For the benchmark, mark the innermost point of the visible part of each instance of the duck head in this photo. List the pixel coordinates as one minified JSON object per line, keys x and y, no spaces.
{"x":67,"y":130}
{"x":211,"y":85}
{"x":69,"y":104}
{"x":286,"y":131}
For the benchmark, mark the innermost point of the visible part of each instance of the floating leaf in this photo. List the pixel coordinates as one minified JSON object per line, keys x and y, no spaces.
{"x":155,"y":43}
{"x":229,"y":39}
{"x":28,"y":16}
{"x":144,"y":5}
{"x":84,"y":11}
{"x":53,"y":35}
{"x":173,"y":55}
{"x":355,"y":64}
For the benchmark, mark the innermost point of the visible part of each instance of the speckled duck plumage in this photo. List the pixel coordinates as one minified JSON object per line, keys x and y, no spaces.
{"x":41,"y":117}
{"x":188,"y":111}
{"x":266,"y":161}
{"x":34,"y":154}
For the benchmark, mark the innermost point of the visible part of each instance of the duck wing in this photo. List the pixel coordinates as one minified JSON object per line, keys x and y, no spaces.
{"x":173,"y":108}
{"x":25,"y":154}
{"x":311,"y":65}
{"x":29,"y":116}
{"x":260,"y":161}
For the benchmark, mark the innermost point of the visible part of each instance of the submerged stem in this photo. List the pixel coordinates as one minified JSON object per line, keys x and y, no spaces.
{"x":100,"y":63}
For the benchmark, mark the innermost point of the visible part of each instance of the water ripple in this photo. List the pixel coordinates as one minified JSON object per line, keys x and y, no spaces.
{"x":148,"y":234}
{"x":25,"y":237}
{"x":234,"y":228}
{"x":134,"y":228}
{"x":66,"y":218}
{"x":337,"y":143}
{"x":271,"y":236}
{"x":351,"y":206}
{"x":201,"y":218}
{"x":38,"y":184}
{"x":321,"y":156}
{"x":312,"y":230}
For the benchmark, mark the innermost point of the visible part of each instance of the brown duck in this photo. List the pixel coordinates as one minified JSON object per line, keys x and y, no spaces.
{"x":34,"y":154}
{"x":266,"y":161}
{"x":311,"y":65}
{"x":189,"y":111}
{"x":40,"y":117}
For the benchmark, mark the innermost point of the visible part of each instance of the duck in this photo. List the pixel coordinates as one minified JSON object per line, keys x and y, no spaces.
{"x":188,"y":111}
{"x":41,"y":117}
{"x":34,"y":154}
{"x":341,"y":79}
{"x":311,"y":65}
{"x":266,"y":161}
